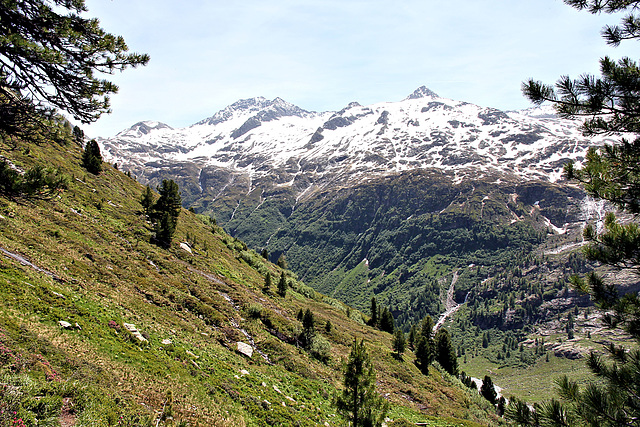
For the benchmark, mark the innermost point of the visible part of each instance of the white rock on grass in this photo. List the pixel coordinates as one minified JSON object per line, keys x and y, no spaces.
{"x":134,"y":331}
{"x":245,"y":349}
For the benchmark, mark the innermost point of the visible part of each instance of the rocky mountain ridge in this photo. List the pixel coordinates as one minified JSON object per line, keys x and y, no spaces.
{"x":260,"y":138}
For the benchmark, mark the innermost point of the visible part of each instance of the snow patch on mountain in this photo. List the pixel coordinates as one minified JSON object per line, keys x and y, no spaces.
{"x":257,"y":136}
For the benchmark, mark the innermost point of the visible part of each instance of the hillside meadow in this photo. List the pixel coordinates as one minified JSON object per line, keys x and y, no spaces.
{"x":78,"y":274}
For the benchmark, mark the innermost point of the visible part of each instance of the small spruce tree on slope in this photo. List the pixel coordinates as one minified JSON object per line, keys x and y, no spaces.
{"x":445,"y":353}
{"x":387,"y":322}
{"x":425,"y":350}
{"x":147,"y":201}
{"x":488,"y":390}
{"x":359,"y":402}
{"x":91,"y":157}
{"x":282,"y":286}
{"x":373,"y":321}
{"x":399,"y":343}
{"x":267,"y":283}
{"x":165,"y":212}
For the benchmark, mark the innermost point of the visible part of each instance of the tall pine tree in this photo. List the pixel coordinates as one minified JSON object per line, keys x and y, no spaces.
{"x":399,"y":343}
{"x":425,"y":350}
{"x":91,"y":157}
{"x":267,"y":284}
{"x":165,"y":212}
{"x":359,"y":403}
{"x":52,"y":56}
{"x":308,"y":328}
{"x":147,"y":201}
{"x":387,"y":322}
{"x":373,"y":321}
{"x":610,"y":103}
{"x":282,"y":286}
{"x":445,"y":354}
{"x":488,"y":390}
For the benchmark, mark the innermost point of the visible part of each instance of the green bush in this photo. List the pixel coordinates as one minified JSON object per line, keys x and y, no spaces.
{"x":254,"y":311}
{"x":320,"y":348}
{"x":306,"y":291}
{"x":37,"y":181}
{"x":254,"y":260}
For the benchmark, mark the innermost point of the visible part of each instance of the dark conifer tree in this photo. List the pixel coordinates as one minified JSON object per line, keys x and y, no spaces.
{"x":466,"y":380}
{"x":424,"y":354}
{"x":412,"y":337}
{"x":501,"y":405}
{"x":91,"y":157}
{"x":282,"y":286}
{"x":387,"y":323}
{"x":170,"y":200}
{"x":308,"y":328}
{"x":328,"y":327}
{"x":399,"y":343}
{"x":425,"y":350}
{"x":165,"y":227}
{"x":488,"y":391}
{"x":165,"y":212}
{"x":267,"y":284}
{"x":445,"y":354}
{"x":373,"y":321}
{"x":359,"y":403}
{"x":426,"y":329}
{"x":78,"y":135}
{"x":147,"y":201}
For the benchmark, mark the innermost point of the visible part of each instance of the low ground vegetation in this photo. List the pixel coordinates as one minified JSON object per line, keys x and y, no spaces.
{"x":102,"y":327}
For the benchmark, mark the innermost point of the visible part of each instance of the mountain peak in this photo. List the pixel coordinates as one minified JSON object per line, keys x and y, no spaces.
{"x":143,"y":128}
{"x":261,"y":107}
{"x":422,"y":92}
{"x":249,"y":103}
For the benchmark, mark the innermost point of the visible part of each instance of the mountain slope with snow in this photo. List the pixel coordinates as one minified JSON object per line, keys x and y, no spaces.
{"x":395,"y":187}
{"x":257,"y":136}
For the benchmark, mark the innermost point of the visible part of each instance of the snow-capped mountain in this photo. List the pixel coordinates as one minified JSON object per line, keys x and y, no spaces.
{"x":257,"y":136}
{"x":361,"y":200}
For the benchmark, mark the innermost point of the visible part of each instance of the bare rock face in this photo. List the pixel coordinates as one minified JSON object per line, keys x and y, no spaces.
{"x":245,"y":349}
{"x":568,"y":350}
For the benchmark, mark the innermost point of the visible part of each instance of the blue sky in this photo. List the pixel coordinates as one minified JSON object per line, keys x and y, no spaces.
{"x":321,"y":55}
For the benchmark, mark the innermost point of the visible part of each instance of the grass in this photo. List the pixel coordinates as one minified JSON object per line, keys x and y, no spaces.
{"x":94,"y":240}
{"x":534,"y":383}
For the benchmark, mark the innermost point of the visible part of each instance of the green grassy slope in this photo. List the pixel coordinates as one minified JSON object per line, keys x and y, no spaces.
{"x":97,"y":271}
